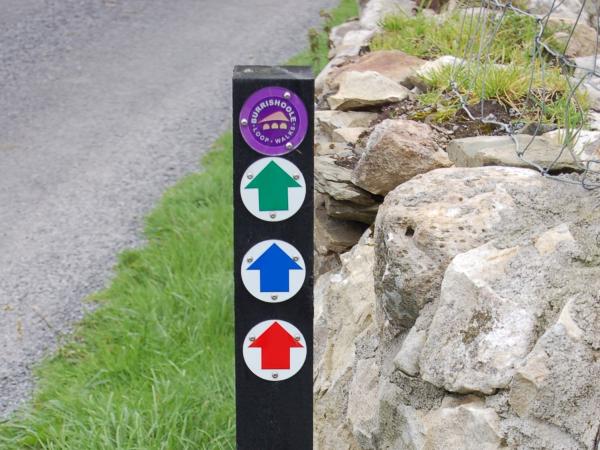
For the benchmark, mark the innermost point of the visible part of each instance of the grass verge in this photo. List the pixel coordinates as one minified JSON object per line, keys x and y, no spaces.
{"x":152,"y":368}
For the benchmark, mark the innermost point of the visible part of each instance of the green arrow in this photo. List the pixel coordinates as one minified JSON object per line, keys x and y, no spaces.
{"x":272,"y":183}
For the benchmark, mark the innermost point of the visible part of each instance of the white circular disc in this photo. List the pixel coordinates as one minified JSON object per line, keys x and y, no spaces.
{"x":273,"y":271}
{"x":274,"y":350}
{"x":273,"y":189}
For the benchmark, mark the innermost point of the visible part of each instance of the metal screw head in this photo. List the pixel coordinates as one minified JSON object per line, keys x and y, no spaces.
{"x":252,"y":339}
{"x":275,"y":375}
{"x":274,"y":297}
{"x":244,"y":122}
{"x":289,"y":146}
{"x":297,"y":338}
{"x":249,"y":260}
{"x":287,"y":95}
{"x":295,"y":258}
{"x":272,"y":215}
{"x":296,"y":177}
{"x":249,"y":176}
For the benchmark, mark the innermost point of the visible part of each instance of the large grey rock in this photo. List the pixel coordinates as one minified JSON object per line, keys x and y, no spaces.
{"x":584,"y":139}
{"x":400,"y":424}
{"x":407,"y":359}
{"x":424,"y":223}
{"x":383,"y":418}
{"x":335,"y":130}
{"x":485,"y":325}
{"x":464,"y":424}
{"x":325,"y":147}
{"x":529,"y":433}
{"x":333,"y":235}
{"x":344,"y":310}
{"x":351,"y":211}
{"x":363,"y":89}
{"x":396,"y":151}
{"x":321,"y":87}
{"x":387,"y":409}
{"x":558,"y":381}
{"x":362,"y":409}
{"x":581,"y":37}
{"x":333,"y":175}
{"x":480,"y":151}
{"x":375,"y":11}
{"x":348,"y":135}
{"x":430,"y":68}
{"x":329,"y":121}
{"x":393,"y":64}
{"x":343,"y":200}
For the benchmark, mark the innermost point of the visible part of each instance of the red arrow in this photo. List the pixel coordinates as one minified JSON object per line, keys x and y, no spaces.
{"x":275,"y":344}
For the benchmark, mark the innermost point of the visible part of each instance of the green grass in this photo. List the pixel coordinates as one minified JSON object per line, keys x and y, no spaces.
{"x":426,"y":37}
{"x":509,"y":85}
{"x":152,"y":368}
{"x":501,"y":74}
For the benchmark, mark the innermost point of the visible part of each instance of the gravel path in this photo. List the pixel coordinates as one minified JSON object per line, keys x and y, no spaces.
{"x":103,"y":104}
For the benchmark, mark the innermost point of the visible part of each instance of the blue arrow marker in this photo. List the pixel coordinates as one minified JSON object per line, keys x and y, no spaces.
{"x":274,"y":265}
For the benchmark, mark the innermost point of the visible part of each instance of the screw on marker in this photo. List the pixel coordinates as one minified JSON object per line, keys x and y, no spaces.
{"x":249,"y":260}
{"x":272,"y":215}
{"x":295,"y":258}
{"x":244,"y":122}
{"x":274,"y":297}
{"x":249,"y":176}
{"x":287,"y":95}
{"x":297,"y":338}
{"x":252,"y":339}
{"x":296,"y":177}
{"x":275,"y":375}
{"x":289,"y":146}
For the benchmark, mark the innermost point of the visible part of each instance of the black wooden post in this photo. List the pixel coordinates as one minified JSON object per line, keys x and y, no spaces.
{"x":273,"y":113}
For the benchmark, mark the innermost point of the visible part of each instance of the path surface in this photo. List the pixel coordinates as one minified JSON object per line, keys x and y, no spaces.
{"x":103,"y":104}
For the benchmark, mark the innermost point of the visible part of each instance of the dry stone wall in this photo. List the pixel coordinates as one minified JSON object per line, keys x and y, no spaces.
{"x":458,"y":292}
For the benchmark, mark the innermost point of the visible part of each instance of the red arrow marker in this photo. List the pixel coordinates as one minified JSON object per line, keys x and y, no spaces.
{"x":275,"y":344}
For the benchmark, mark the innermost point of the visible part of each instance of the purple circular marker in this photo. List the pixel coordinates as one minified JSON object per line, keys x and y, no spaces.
{"x":273,"y":121}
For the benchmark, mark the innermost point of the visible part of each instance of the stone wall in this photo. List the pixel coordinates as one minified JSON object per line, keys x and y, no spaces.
{"x":458,"y":296}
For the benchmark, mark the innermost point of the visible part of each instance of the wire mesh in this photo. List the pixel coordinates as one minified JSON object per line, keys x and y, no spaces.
{"x":479,"y":27}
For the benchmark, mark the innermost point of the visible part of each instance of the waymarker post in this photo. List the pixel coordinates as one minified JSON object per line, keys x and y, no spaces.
{"x":273,"y":113}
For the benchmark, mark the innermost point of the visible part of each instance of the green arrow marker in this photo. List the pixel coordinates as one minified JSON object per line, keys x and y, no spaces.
{"x":272,"y":183}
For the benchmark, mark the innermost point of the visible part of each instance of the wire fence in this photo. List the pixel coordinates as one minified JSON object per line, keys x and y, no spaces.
{"x":548,"y":66}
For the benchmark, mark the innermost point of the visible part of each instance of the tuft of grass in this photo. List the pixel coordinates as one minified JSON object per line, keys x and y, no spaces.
{"x":431,"y":37}
{"x":509,"y":85}
{"x":502,"y":74}
{"x":316,"y":54}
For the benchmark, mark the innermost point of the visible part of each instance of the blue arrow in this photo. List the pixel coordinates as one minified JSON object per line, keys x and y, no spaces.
{"x":274,"y":265}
